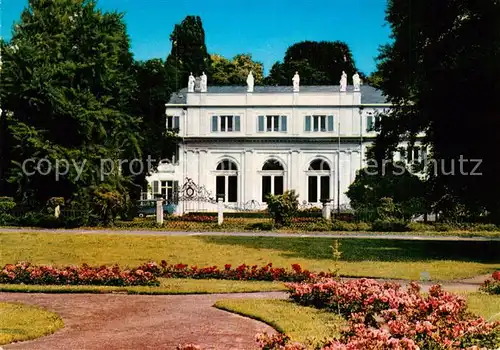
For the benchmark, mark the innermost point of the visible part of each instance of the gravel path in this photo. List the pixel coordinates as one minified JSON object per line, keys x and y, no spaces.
{"x":361,"y":235}
{"x":116,"y":321}
{"x":112,"y":321}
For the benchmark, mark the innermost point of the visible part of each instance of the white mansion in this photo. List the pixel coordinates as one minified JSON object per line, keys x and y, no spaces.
{"x":243,"y":142}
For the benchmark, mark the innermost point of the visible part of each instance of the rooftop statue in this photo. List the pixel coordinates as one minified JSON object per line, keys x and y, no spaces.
{"x":343,"y":82}
{"x":191,"y":83}
{"x":296,"y":82}
{"x":250,"y":82}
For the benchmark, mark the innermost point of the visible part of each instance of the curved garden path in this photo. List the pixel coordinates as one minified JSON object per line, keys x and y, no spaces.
{"x":117,"y":321}
{"x":113,"y":321}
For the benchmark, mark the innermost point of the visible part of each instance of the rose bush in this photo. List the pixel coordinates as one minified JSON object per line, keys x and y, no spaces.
{"x":492,"y":286}
{"x":26,"y":273}
{"x":387,"y":316}
{"x":241,"y":272}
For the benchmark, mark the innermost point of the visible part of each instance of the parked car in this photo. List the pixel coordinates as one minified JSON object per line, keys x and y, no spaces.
{"x":148,"y":207}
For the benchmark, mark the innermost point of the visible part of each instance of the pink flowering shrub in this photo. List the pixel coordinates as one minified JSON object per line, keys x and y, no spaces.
{"x":387,"y":316}
{"x":25,"y":273}
{"x":242,"y":272}
{"x":492,"y":286}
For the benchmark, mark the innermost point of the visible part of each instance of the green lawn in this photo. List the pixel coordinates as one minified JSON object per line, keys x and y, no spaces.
{"x":20,"y":322}
{"x":168,"y":286}
{"x":306,"y":324}
{"x":300,"y":323}
{"x":444,"y":260}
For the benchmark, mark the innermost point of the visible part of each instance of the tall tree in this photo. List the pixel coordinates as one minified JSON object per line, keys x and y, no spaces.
{"x":318,"y":63}
{"x":153,"y":92}
{"x":235,"y":71}
{"x":67,"y":79}
{"x":441,"y":73}
{"x":189,"y":52}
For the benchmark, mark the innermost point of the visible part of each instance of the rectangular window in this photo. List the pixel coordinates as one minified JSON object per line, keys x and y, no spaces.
{"x":322,"y":123}
{"x":313,"y":189}
{"x":266,"y":187}
{"x":269,"y":123}
{"x":278,"y":185}
{"x":261,"y":123}
{"x":308,"y":123}
{"x":319,"y":123}
{"x":226,"y":123}
{"x":155,"y":187}
{"x":276,"y":123}
{"x":173,"y":122}
{"x":369,"y":123}
{"x":220,"y":186}
{"x":315,"y":123}
{"x":325,"y":187}
{"x":283,"y":123}
{"x":222,"y":123}
{"x":233,"y":189}
{"x":272,"y":123}
{"x":215,"y":122}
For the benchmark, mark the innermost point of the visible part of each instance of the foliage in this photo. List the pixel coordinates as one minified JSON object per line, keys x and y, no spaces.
{"x":6,"y":204}
{"x":242,"y":272}
{"x":158,"y":143}
{"x":389,"y":225}
{"x":442,"y":52}
{"x":235,"y":71}
{"x":69,"y":97}
{"x":492,"y":286}
{"x":108,"y":202}
{"x":318,"y":63}
{"x":26,"y":273}
{"x":384,"y":314}
{"x":282,"y":208}
{"x":372,"y":188}
{"x":189,"y":53}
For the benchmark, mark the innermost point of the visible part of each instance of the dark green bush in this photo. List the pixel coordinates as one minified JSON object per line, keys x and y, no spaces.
{"x":485,"y":227}
{"x":321,"y":225}
{"x":6,"y":204}
{"x":420,"y":227}
{"x":260,"y":226}
{"x":282,"y":208}
{"x":390,"y":225}
{"x":7,"y":220}
{"x":443,"y":227}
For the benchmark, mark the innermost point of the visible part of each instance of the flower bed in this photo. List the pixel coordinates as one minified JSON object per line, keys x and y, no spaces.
{"x":243,"y":272}
{"x":147,"y":274}
{"x":25,"y":273}
{"x":386,"y":316}
{"x":492,"y":286}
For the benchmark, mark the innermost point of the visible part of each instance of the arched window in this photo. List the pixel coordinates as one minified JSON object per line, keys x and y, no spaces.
{"x":273,"y":175}
{"x":318,"y":181}
{"x":226,"y":181}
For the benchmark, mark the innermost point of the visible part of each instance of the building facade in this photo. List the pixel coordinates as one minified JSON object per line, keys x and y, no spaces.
{"x":243,"y":143}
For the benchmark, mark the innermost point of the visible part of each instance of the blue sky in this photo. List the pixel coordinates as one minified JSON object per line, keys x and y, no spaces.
{"x":263,"y":28}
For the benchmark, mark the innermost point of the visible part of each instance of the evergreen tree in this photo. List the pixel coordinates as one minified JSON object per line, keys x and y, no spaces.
{"x":189,"y":52}
{"x":67,"y":79}
{"x":318,"y":63}
{"x":441,"y":73}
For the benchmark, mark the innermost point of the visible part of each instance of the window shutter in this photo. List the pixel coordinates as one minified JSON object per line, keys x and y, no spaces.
{"x":176,"y":123}
{"x":308,"y":123}
{"x":369,"y":123}
{"x":155,"y":187}
{"x":214,"y":123}
{"x":283,"y":123}
{"x":330,"y":123}
{"x":261,"y":123}
{"x":236,"y":123}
